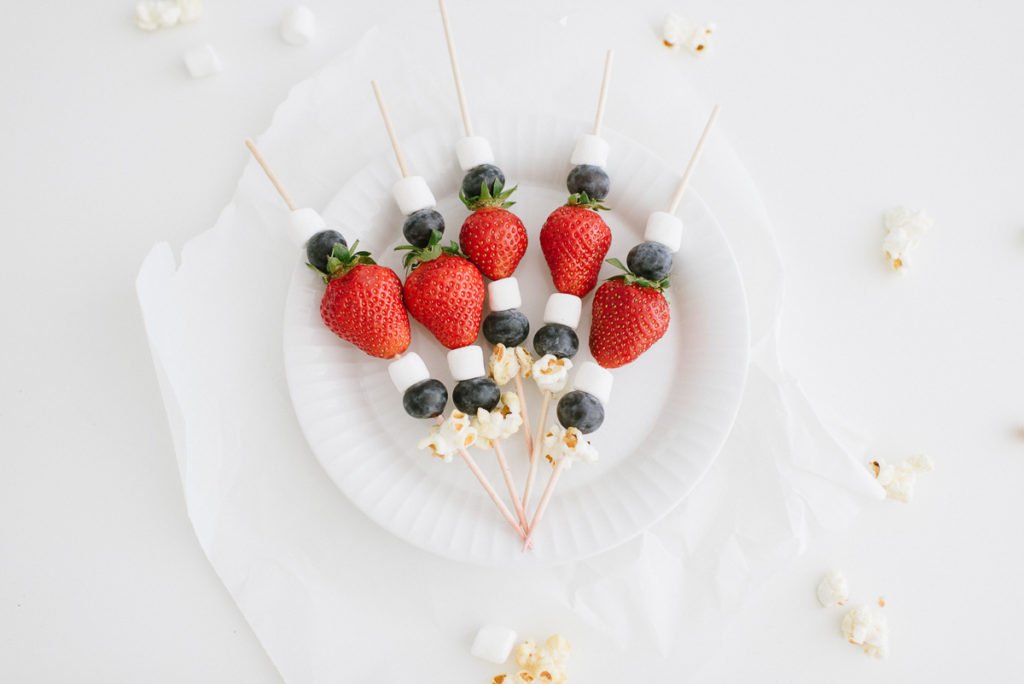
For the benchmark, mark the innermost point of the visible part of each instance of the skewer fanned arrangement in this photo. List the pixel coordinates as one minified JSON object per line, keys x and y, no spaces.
{"x":367,"y":304}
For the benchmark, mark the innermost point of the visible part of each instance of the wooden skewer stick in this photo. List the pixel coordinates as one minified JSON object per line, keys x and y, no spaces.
{"x":486,"y":484}
{"x":506,"y":472}
{"x":467,"y":124}
{"x":604,"y":91}
{"x":391,"y":130}
{"x":265,"y":165}
{"x":502,"y":508}
{"x":677,"y":196}
{"x":538,"y":441}
{"x":524,"y":413}
{"x":543,"y":504}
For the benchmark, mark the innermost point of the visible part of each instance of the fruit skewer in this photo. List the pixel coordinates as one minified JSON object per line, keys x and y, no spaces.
{"x":492,"y":237}
{"x":556,"y":343}
{"x":574,"y":238}
{"x":362,"y":303}
{"x":445,"y":293}
{"x":630,"y":313}
{"x":506,"y":328}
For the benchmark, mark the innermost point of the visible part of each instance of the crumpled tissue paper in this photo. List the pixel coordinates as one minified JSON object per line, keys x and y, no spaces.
{"x":331,"y":596}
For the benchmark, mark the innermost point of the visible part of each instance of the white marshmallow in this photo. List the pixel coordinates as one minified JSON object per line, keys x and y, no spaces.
{"x":298,"y":26}
{"x":412,"y":194}
{"x":304,"y":224}
{"x":503,"y":294}
{"x":493,"y":644}
{"x":593,"y":379}
{"x":664,"y":228}
{"x":473,"y":151}
{"x":466,"y":363}
{"x":563,"y":308}
{"x":407,"y":371}
{"x":203,"y":61}
{"x":590,"y":149}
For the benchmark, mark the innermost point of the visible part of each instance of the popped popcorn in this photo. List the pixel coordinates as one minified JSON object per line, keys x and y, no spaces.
{"x":904,"y":229}
{"x":448,"y":437}
{"x":503,"y":364}
{"x":568,"y":445}
{"x":898,"y":480}
{"x":525,"y":361}
{"x":865,"y":628}
{"x":551,"y":373}
{"x":547,"y":664}
{"x":699,"y":39}
{"x":676,"y":29}
{"x":833,"y":590}
{"x":151,"y":15}
{"x":502,"y":421}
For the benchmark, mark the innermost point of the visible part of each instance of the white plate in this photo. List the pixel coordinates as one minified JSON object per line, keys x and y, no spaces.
{"x":670,"y":412}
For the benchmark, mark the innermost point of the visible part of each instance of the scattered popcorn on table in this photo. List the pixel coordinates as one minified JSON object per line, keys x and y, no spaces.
{"x":503,"y":364}
{"x":551,"y":373}
{"x":833,"y":590}
{"x":455,"y":433}
{"x":699,"y":39}
{"x":865,"y":628}
{"x":904,"y":229}
{"x":547,"y":664}
{"x":152,"y":15}
{"x":678,"y":30}
{"x":525,"y":361}
{"x":898,"y":480}
{"x":568,"y":445}
{"x":503,"y":421}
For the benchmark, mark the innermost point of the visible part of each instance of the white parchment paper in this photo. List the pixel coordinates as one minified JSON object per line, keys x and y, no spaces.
{"x":332,"y":597}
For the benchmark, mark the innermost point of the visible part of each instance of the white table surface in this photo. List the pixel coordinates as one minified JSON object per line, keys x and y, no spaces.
{"x":839,"y":112}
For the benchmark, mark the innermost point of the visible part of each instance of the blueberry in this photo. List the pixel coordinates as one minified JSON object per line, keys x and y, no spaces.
{"x":469,"y":395}
{"x":425,"y":399}
{"x":580,"y":410}
{"x":320,"y":246}
{"x":420,"y":225}
{"x":477,"y":176}
{"x":589,"y":179}
{"x":651,"y":260}
{"x":557,"y":339}
{"x":509,"y":328}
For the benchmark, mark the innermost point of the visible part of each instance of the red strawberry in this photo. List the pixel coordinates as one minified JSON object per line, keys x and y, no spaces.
{"x":444,"y":292}
{"x":363,"y":303}
{"x":630,"y":314}
{"x":575,"y":240}
{"x":492,"y":237}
